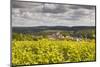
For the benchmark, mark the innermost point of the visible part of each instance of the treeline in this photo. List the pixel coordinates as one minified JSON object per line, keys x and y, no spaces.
{"x":89,"y":34}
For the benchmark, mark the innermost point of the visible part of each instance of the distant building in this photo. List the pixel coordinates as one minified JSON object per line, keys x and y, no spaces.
{"x":56,"y":35}
{"x":73,"y":38}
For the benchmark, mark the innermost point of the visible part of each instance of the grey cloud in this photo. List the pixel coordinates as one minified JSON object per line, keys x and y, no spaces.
{"x":58,"y":9}
{"x":72,"y":14}
{"x":38,"y":14}
{"x":76,"y":15}
{"x":43,"y":8}
{"x":80,"y":14}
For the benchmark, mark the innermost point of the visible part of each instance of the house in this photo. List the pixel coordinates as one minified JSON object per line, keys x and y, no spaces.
{"x":56,"y":35}
{"x":73,"y":38}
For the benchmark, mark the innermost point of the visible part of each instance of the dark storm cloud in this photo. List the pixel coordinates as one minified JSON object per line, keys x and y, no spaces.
{"x":16,"y":4}
{"x":22,"y":4}
{"x":82,"y":6}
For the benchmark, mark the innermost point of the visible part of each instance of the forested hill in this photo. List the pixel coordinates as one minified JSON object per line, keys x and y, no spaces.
{"x":52,"y":28}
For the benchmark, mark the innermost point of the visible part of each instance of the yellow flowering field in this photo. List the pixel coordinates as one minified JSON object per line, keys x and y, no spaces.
{"x":47,"y":51}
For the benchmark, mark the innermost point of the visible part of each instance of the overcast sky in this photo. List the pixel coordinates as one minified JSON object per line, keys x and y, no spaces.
{"x":45,"y":14}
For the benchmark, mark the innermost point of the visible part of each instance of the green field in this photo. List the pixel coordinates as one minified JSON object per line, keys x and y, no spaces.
{"x":46,"y":51}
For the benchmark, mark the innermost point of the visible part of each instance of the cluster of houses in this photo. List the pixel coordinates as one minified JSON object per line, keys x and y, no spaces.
{"x":58,"y":35}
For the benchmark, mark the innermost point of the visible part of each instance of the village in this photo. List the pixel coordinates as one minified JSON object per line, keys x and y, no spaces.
{"x":59,"y":36}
